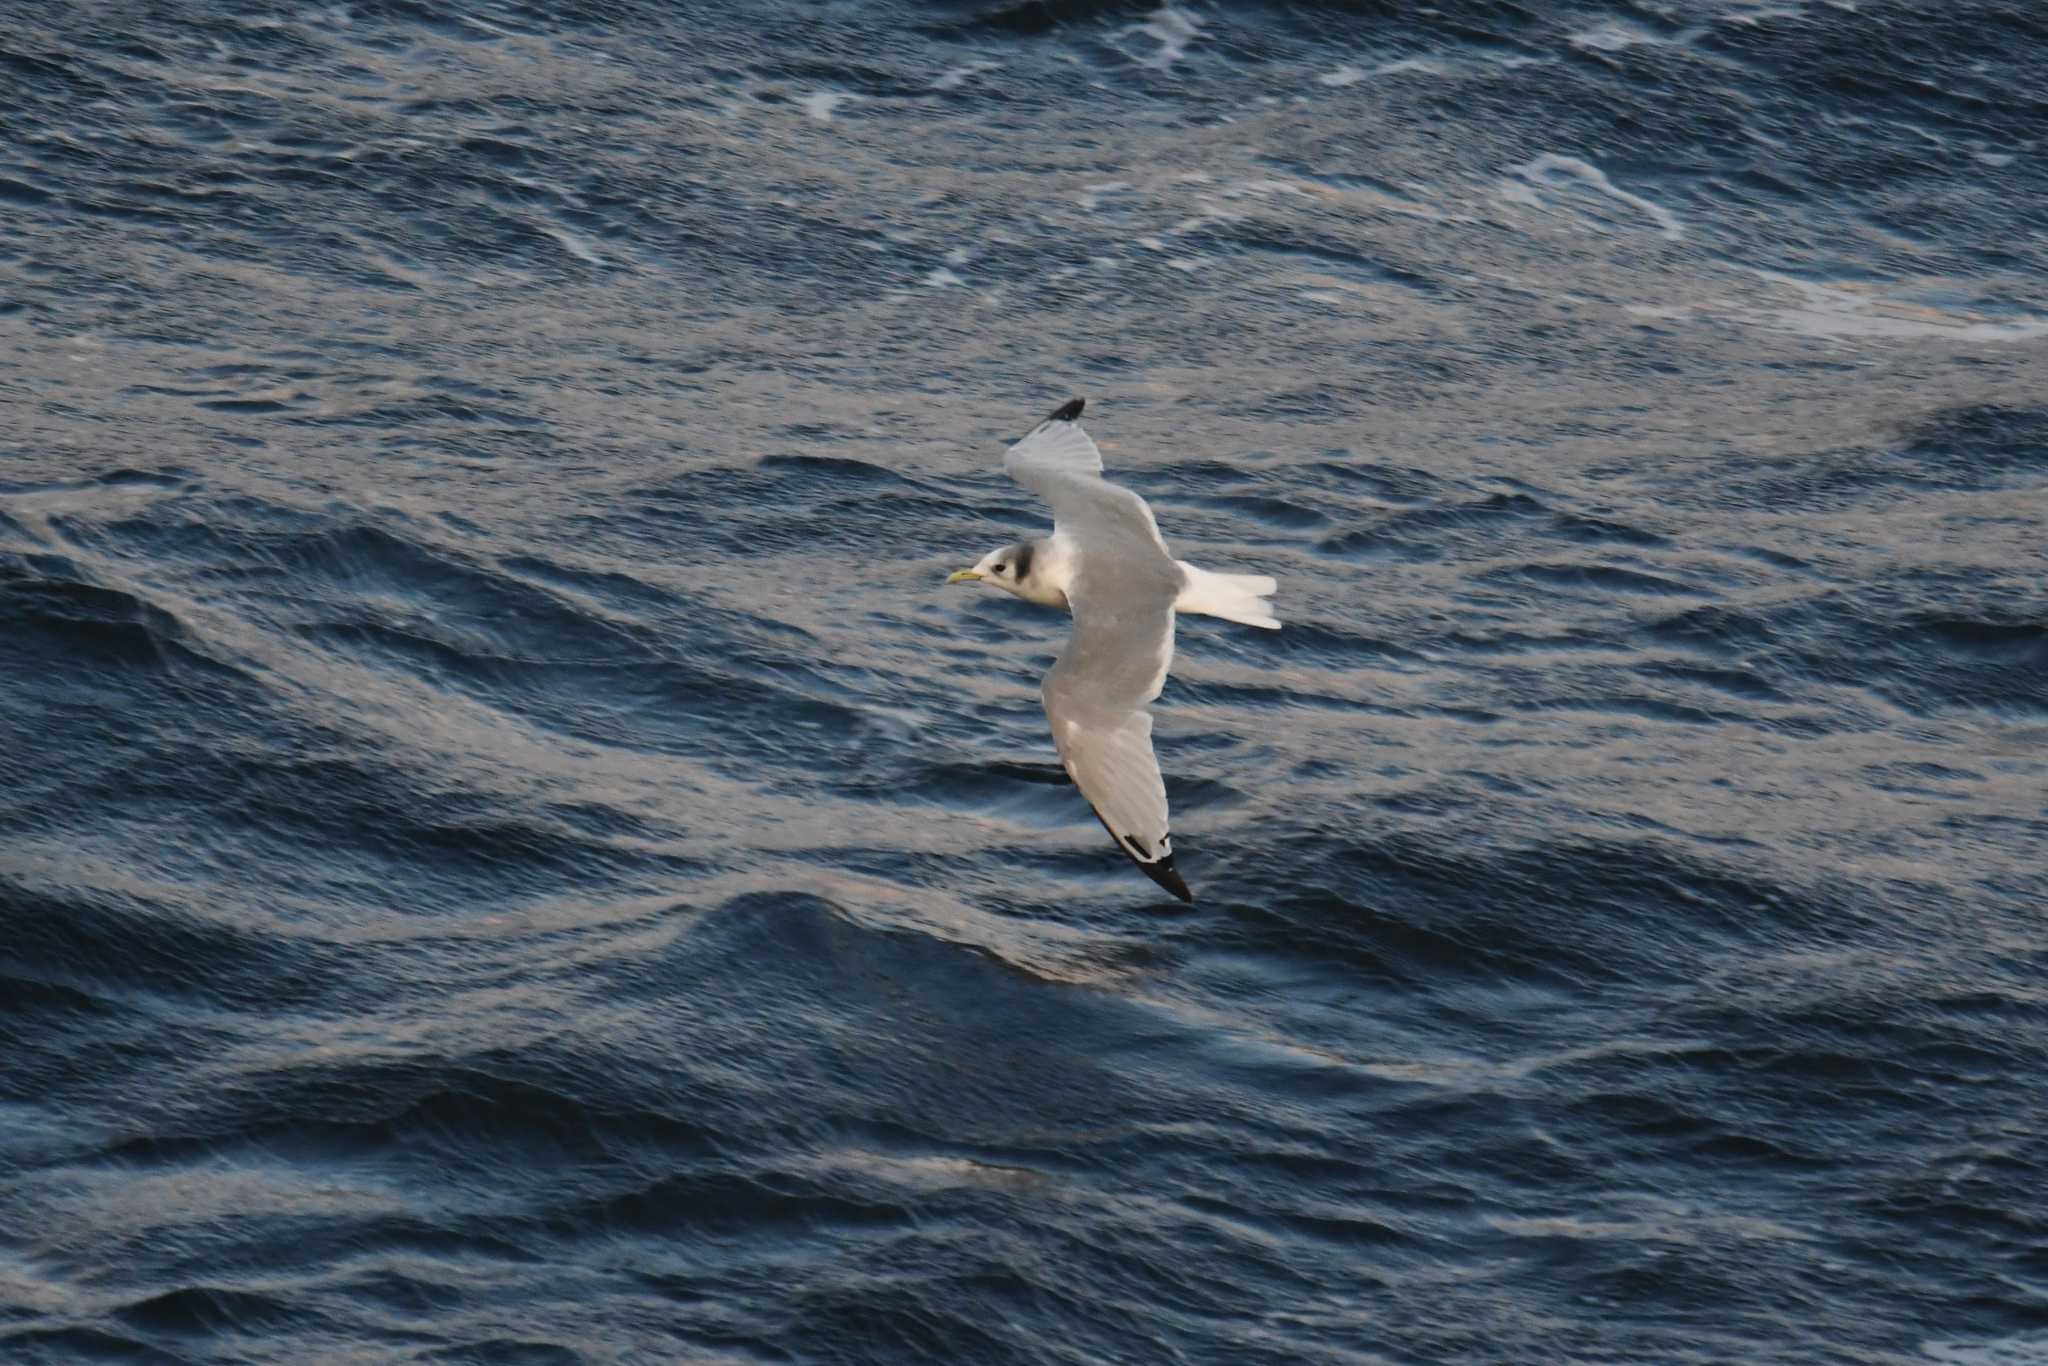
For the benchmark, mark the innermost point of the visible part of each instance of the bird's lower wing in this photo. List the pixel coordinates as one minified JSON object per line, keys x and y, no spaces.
{"x":1096,"y":704}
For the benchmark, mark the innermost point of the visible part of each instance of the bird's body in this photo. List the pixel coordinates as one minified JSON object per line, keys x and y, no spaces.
{"x":1108,"y":565}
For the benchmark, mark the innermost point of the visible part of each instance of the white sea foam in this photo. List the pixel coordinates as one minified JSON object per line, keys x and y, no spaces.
{"x":1170,"y":30}
{"x":1416,"y":66}
{"x":2030,"y":1350}
{"x":820,"y":104}
{"x":1828,"y":311}
{"x":958,"y":76}
{"x":574,"y":245}
{"x":1519,"y":192}
{"x":1352,"y":75}
{"x":1756,"y":14}
{"x":1615,"y":36}
{"x":1539,"y":172}
{"x":1091,"y":196}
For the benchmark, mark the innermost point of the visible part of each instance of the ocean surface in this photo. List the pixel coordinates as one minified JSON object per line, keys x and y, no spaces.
{"x":508,"y":852}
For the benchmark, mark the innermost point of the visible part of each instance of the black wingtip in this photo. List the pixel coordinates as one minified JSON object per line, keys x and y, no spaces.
{"x":1069,"y":410}
{"x":1162,"y":872}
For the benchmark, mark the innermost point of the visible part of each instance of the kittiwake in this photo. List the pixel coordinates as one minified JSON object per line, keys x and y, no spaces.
{"x":1105,"y":562}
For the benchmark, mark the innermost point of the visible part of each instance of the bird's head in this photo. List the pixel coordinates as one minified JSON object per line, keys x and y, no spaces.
{"x":1025,"y":569}
{"x":1004,"y":568}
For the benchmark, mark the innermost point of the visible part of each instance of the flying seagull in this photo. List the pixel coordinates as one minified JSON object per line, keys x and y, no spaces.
{"x":1106,"y":563}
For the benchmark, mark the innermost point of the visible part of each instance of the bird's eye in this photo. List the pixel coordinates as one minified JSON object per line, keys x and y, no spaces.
{"x":1002,"y":569}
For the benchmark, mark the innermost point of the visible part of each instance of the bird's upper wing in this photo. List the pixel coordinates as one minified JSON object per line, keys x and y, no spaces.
{"x":1055,"y":446}
{"x":1060,"y":463}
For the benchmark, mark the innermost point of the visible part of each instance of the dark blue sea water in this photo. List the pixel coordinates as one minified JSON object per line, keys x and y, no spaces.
{"x":509,"y":854}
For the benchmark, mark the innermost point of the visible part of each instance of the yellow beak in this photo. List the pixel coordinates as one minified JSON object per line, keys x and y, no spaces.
{"x":961,"y":576}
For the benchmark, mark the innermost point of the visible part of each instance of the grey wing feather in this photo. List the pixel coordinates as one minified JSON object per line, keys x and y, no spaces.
{"x":1110,"y":759}
{"x":1055,"y":446}
{"x":1095,"y":698}
{"x":1059,"y":462}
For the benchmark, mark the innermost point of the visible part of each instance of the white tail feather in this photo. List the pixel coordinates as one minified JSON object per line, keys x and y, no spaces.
{"x":1234,"y":597}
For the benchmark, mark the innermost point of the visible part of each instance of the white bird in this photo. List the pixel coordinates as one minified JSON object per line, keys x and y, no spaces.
{"x":1106,"y":563}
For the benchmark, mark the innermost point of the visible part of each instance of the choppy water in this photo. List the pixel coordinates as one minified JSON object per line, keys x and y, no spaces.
{"x":507,"y":853}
